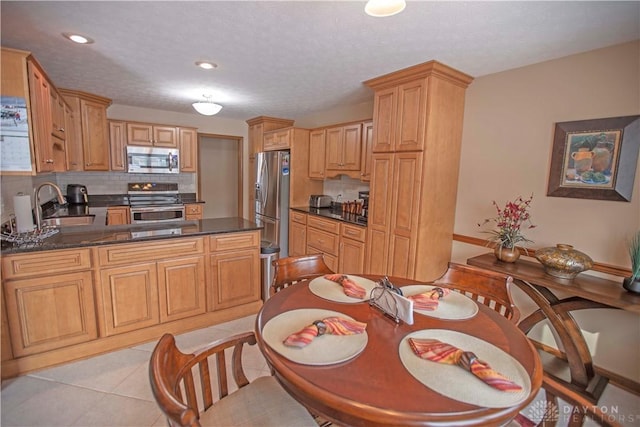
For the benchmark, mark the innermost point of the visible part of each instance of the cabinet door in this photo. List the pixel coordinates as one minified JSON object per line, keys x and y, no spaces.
{"x":317,"y":154}
{"x":118,"y":215}
{"x":297,"y":238}
{"x":405,"y":204}
{"x":255,"y":138}
{"x":351,"y":258}
{"x":334,"y":148}
{"x":57,"y":116}
{"x":165,"y":136}
{"x":277,"y":140}
{"x":75,"y":156}
{"x":379,"y":218}
{"x":181,"y":288}
{"x":412,"y":107}
{"x":193,"y":211}
{"x":384,"y":112}
{"x":39,"y":91}
{"x":367,"y":147}
{"x":117,"y":145}
{"x":95,"y":136}
{"x":235,"y":278}
{"x":188,"y":143}
{"x":49,"y":313}
{"x":140,"y":134}
{"x":352,"y":147}
{"x":129,"y":298}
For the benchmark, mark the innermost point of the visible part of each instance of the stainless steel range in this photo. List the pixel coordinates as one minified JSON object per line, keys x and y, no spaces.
{"x":154,"y":202}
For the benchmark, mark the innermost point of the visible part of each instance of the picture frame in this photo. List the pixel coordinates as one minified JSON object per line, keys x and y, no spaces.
{"x":595,"y":159}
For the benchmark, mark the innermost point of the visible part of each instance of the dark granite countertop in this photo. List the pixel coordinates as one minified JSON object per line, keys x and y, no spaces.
{"x":99,"y":234}
{"x":333,"y":213}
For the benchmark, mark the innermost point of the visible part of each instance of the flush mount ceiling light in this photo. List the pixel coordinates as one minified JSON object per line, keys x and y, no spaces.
{"x":382,"y":8}
{"x":208,"y":107}
{"x":77,"y":38}
{"x":206,"y":65}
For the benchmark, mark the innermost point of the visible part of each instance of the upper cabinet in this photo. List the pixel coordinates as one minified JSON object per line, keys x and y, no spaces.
{"x":117,"y":145}
{"x":188,"y":145}
{"x":280,"y":139}
{"x":343,"y":150}
{"x":90,"y":115}
{"x":148,"y":134}
{"x":40,"y":96}
{"x":367,"y":147}
{"x":258,"y":126}
{"x":317,"y":152}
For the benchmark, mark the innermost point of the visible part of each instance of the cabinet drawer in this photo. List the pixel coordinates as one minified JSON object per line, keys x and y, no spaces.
{"x":298,"y":217}
{"x":45,"y":263}
{"x":323,"y":224}
{"x":193,"y":209}
{"x":323,"y":241}
{"x":225,"y":242}
{"x":354,"y":232}
{"x":131,"y":253}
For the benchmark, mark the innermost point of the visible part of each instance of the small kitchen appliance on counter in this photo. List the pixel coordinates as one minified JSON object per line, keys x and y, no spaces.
{"x":77,"y":194}
{"x":320,"y":201}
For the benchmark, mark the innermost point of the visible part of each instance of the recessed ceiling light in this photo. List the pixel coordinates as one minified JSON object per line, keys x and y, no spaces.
{"x":78,"y":38}
{"x":206,"y":65}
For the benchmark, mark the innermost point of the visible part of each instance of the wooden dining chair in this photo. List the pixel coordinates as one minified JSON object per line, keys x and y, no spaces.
{"x":186,"y":394}
{"x":486,"y":287}
{"x":290,"y":270}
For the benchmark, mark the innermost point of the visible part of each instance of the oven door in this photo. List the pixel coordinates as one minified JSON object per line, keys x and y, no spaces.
{"x":148,"y":214}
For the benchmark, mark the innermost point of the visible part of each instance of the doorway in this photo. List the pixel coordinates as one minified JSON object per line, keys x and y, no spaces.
{"x":220,"y":175}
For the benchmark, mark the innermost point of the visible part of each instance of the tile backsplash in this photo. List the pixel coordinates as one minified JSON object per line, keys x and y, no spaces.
{"x":344,"y":186}
{"x":96,"y":182}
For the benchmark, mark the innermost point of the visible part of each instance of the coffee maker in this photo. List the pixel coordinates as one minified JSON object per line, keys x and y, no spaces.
{"x":77,"y":199}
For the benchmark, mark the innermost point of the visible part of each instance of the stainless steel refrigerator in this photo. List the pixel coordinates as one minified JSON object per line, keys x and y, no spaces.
{"x":271,"y":197}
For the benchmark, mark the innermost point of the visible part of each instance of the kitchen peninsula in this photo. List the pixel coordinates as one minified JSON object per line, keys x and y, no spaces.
{"x":91,"y":289}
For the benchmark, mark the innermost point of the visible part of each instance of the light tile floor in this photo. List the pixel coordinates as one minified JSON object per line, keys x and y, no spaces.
{"x":107,"y":390}
{"x":113,"y":389}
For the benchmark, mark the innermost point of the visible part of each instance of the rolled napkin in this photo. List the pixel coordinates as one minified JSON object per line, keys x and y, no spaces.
{"x":437,"y":351}
{"x":351,"y":288}
{"x":429,"y":300}
{"x":330,"y":325}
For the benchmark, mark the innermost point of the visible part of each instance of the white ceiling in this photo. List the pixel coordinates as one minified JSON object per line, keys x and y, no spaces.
{"x":291,"y":59}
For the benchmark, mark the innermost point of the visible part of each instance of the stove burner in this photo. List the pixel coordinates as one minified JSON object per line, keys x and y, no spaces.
{"x":153,"y":194}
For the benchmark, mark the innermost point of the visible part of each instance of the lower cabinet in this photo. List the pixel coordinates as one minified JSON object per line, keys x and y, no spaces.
{"x":297,"y":233}
{"x":352,"y":249}
{"x":181,"y":288}
{"x":45,"y":316}
{"x":234,"y":264}
{"x":129,"y":298}
{"x":118,"y":215}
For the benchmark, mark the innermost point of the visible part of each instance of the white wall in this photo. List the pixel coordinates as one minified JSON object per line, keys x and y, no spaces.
{"x":506,"y":152}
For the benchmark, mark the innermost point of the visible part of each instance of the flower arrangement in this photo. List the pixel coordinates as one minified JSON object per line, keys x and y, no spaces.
{"x":509,"y":222}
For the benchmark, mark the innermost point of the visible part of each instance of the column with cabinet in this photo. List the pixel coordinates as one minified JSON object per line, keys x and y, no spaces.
{"x":418,"y":114}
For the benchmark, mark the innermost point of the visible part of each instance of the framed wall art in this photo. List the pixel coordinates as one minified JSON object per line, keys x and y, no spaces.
{"x":595,"y":159}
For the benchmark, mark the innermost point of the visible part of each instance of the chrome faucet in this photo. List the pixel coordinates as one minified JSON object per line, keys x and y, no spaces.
{"x":61,"y":200}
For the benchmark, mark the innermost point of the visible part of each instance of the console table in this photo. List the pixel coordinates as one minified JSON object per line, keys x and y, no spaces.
{"x":584,"y":291}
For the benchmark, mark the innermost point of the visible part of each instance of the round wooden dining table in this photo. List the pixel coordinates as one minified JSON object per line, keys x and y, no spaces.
{"x":374,"y":388}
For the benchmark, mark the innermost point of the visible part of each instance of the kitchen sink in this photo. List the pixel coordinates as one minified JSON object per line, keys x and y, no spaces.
{"x":66,"y":221}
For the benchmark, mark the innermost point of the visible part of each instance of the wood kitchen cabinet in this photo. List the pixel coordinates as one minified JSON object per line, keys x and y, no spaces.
{"x":352,"y":249}
{"x":49,"y":300}
{"x":297,"y":233}
{"x":193,"y":211}
{"x":367,"y":149}
{"x":235,"y":269}
{"x":40,"y":97}
{"x":414,"y":170}
{"x":188,"y":145}
{"x":73,"y":142}
{"x":90,"y":115}
{"x":57,"y":115}
{"x":118,"y":215}
{"x":280,"y":139}
{"x":317,"y":153}
{"x":323,"y":236}
{"x":137,"y":280}
{"x":117,"y":145}
{"x":148,"y":134}
{"x":343,"y":150}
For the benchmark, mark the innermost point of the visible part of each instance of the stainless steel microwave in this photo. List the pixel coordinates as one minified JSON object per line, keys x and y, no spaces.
{"x":152,"y":160}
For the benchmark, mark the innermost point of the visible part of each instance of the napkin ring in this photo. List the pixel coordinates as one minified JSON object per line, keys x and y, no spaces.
{"x":466,"y":359}
{"x":322,"y":327}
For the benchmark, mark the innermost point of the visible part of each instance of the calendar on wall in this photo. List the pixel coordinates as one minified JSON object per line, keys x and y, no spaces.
{"x":15,"y":153}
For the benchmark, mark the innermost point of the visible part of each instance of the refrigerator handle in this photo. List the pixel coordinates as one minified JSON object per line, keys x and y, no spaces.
{"x":265,"y":182}
{"x":257,"y":196}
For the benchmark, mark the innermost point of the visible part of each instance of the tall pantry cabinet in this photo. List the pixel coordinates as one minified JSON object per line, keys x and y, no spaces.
{"x":418,"y":114}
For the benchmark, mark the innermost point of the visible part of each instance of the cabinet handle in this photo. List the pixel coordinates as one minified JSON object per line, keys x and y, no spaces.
{"x":49,"y":161}
{"x":61,"y":129}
